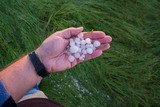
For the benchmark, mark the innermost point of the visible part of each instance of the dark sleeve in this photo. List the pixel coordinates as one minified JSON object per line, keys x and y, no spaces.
{"x":5,"y":99}
{"x":9,"y":103}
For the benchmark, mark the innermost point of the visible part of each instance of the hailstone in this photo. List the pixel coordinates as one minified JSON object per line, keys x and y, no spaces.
{"x":96,"y":43}
{"x":71,"y":58}
{"x":74,"y":49}
{"x":81,"y":58}
{"x":71,"y":40}
{"x":83,"y":55}
{"x":78,"y":47}
{"x":77,"y":55}
{"x":89,"y":50}
{"x":87,"y":45}
{"x":72,"y":43}
{"x":80,"y":35}
{"x":77,"y":40}
{"x":88,"y":40}
{"x":83,"y":47}
{"x":84,"y":51}
{"x":79,"y":50}
{"x":83,"y":42}
{"x":91,"y":46}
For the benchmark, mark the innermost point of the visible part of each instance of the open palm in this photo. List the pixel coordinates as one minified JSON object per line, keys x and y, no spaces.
{"x":52,"y":50}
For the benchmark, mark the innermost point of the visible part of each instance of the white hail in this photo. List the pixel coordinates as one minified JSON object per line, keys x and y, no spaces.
{"x":79,"y":47}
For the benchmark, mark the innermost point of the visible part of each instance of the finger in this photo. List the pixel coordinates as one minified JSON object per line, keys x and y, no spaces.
{"x":104,"y":47}
{"x":105,"y":40}
{"x":107,"y":47}
{"x":94,"y":35}
{"x":95,"y":54}
{"x":68,"y":33}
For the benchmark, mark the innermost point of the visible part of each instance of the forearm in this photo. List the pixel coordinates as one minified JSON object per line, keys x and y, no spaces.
{"x":19,"y":77}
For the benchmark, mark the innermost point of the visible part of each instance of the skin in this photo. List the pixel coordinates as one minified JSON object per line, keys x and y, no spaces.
{"x":21,"y":76}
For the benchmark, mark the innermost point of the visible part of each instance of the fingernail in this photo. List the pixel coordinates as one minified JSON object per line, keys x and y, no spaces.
{"x":80,"y":28}
{"x":109,"y":38}
{"x":108,"y":46}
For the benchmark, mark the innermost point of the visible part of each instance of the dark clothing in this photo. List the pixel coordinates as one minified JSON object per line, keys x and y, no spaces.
{"x":35,"y":102}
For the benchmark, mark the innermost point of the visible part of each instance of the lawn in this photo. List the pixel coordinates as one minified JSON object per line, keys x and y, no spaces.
{"x":126,"y":75}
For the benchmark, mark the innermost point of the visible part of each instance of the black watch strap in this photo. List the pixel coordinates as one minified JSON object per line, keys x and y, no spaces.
{"x":38,"y":65}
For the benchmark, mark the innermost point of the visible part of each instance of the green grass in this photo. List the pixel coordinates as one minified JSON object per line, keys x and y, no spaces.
{"x":128,"y":74}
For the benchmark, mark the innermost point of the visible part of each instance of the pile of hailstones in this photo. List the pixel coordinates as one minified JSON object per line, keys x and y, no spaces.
{"x":78,"y":47}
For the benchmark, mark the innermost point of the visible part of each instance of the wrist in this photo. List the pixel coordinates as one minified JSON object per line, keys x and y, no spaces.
{"x":32,"y":69}
{"x":40,"y":56}
{"x":43,"y":59}
{"x":38,"y":65}
{"x":43,"y":56}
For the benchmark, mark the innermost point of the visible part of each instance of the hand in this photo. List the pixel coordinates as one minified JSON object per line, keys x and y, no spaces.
{"x":52,"y":51}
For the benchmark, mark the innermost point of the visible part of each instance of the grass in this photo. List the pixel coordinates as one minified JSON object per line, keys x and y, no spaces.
{"x":126,"y":75}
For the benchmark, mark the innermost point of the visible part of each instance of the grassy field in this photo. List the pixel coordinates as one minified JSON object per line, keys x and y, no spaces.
{"x":127,"y":75}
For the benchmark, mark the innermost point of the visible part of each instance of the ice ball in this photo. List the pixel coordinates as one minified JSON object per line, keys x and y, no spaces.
{"x":71,"y":58}
{"x":96,"y":43}
{"x":79,"y":50}
{"x":81,"y":58}
{"x":83,"y":55}
{"x":80,"y":35}
{"x":91,"y":46}
{"x":83,"y":47}
{"x":83,"y":42}
{"x":71,"y":40}
{"x":89,"y":50}
{"x":77,"y":40}
{"x":72,"y":43}
{"x":73,"y":49}
{"x":88,"y":40}
{"x":87,"y":45}
{"x":77,"y":55}
{"x":84,"y":51}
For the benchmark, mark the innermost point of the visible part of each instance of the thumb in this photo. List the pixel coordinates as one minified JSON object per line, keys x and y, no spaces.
{"x":68,"y":33}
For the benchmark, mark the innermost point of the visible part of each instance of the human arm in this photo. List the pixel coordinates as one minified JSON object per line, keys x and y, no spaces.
{"x":21,"y":76}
